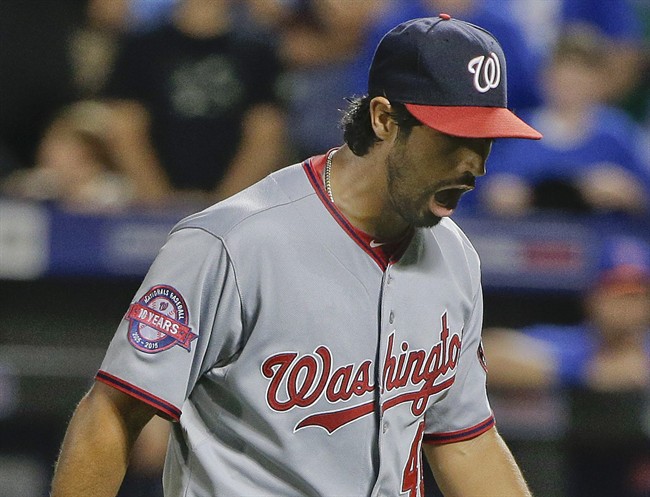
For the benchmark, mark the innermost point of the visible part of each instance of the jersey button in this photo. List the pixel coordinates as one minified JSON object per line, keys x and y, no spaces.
{"x":391,"y":317}
{"x":384,"y":428}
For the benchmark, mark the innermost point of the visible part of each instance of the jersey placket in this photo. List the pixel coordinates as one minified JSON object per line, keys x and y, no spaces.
{"x":386,"y":321}
{"x":393,"y":453}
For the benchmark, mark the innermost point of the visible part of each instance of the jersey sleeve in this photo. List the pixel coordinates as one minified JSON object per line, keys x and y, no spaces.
{"x":464,"y":412}
{"x":185,"y":319}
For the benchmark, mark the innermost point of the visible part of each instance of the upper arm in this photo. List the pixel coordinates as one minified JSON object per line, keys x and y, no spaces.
{"x":482,"y":466}
{"x":98,"y":443}
{"x":447,"y":458}
{"x":105,"y":401}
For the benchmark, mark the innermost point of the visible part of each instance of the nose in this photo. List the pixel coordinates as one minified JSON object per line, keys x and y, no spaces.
{"x":473,"y":164}
{"x":475,"y":157}
{"x":478,"y":167}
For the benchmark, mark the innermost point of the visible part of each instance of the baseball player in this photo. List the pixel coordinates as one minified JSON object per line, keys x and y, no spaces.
{"x":310,"y":335}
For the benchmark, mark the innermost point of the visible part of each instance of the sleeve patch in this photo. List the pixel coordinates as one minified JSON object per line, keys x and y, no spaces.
{"x":159,"y":321}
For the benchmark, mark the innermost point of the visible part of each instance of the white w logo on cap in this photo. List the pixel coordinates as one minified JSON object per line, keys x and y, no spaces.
{"x":487,"y":73}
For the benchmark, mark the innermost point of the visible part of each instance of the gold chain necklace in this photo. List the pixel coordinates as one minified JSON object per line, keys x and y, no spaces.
{"x":328,"y":172}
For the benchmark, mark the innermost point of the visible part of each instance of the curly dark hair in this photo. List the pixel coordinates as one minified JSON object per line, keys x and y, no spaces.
{"x":357,"y":130}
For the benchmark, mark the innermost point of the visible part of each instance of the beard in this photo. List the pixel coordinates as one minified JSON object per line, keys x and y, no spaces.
{"x":412,"y":206}
{"x":410,"y":196}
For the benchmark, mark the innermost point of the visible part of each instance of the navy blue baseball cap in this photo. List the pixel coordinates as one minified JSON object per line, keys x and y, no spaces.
{"x":451,"y":75}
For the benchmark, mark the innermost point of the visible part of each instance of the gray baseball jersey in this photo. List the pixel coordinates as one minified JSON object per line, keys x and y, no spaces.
{"x":306,"y":358}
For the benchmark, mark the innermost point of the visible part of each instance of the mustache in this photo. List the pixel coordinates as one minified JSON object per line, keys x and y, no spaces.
{"x":466,"y":179}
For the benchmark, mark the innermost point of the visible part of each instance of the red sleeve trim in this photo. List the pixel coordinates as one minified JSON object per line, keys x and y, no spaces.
{"x":459,"y":436}
{"x":166,"y":409}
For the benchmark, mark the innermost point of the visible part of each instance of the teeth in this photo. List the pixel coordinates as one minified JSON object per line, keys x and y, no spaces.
{"x":450,"y":196}
{"x":464,"y":188}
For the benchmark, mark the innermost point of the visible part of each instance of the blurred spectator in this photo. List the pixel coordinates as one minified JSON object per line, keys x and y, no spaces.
{"x":95,"y":43}
{"x":617,"y":20}
{"x":319,"y":42}
{"x":603,"y":365}
{"x":36,"y":73}
{"x":194,"y":102}
{"x":53,"y":54}
{"x":149,"y":14}
{"x":75,"y":163}
{"x":589,"y":159}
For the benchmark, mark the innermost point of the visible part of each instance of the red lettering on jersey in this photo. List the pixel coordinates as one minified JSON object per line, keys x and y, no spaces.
{"x":415,"y":367}
{"x":305,"y":381}
{"x":301,"y":381}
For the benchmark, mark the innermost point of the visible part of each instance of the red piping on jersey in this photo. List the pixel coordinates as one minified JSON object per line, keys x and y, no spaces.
{"x":166,"y":409}
{"x":382,"y":255}
{"x":459,"y":436}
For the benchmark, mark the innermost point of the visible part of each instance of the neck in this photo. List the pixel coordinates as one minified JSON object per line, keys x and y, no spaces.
{"x":360,"y":191}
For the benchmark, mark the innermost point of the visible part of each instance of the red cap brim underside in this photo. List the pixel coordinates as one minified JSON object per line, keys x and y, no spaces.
{"x":474,"y":122}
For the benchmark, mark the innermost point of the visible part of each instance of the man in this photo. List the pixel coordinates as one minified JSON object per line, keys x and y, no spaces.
{"x":317,"y":328}
{"x":602,"y":361}
{"x":190,"y":106}
{"x":590,"y":159}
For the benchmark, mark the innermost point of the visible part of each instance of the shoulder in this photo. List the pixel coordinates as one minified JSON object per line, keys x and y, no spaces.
{"x":258,"y":208}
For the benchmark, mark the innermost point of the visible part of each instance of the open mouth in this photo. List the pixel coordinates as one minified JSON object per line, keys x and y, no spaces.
{"x":450,"y":196}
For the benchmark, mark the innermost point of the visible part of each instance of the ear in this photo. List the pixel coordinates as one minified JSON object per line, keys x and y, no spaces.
{"x":382,"y":123}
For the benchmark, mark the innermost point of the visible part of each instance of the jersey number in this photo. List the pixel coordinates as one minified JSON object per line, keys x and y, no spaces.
{"x":412,"y":480}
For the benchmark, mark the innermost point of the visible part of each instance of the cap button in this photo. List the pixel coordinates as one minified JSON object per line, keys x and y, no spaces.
{"x":444,"y":17}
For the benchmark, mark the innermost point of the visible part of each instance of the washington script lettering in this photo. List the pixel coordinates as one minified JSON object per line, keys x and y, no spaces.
{"x":300,"y":381}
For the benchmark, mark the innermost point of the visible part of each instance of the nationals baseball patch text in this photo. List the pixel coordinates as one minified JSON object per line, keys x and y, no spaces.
{"x":158,"y":321}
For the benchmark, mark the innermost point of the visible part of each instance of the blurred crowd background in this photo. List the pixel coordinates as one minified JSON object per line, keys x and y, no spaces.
{"x":133,"y":107}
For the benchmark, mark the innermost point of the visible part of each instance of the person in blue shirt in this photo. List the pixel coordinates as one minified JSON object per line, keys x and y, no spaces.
{"x":590,"y":159}
{"x":619,"y":21}
{"x":600,"y":367}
